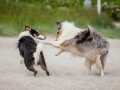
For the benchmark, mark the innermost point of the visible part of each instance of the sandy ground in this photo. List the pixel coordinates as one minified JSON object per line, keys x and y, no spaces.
{"x":66,"y":72}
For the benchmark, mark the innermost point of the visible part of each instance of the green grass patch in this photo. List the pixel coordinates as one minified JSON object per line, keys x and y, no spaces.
{"x":110,"y":33}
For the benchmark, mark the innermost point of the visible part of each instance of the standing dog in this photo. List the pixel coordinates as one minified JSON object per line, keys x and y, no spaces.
{"x":31,"y":52}
{"x":86,"y":43}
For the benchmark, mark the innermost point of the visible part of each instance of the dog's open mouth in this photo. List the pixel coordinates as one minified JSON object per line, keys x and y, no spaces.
{"x":41,"y":38}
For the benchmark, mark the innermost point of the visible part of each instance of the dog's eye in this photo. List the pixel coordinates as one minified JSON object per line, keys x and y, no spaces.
{"x":77,"y":36}
{"x":38,"y":34}
{"x":59,"y":28}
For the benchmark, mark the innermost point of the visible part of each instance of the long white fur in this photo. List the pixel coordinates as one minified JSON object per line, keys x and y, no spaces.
{"x":37,"y":53}
{"x":25,"y":33}
{"x":68,"y":31}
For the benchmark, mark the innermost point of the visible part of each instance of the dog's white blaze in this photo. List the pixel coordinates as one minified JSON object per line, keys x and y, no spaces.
{"x":68,"y":31}
{"x":25,"y":33}
{"x":37,"y":53}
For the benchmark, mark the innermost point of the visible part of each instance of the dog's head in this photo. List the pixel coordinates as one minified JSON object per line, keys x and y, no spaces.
{"x":66,"y":30}
{"x":35,"y":33}
{"x":85,"y":35}
{"x":59,"y":30}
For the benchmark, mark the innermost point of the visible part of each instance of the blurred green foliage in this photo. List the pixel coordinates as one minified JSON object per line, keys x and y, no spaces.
{"x":117,"y":2}
{"x":113,"y":10}
{"x":43,"y":15}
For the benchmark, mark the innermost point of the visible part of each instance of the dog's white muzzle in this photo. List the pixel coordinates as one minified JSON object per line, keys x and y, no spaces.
{"x":41,"y":37}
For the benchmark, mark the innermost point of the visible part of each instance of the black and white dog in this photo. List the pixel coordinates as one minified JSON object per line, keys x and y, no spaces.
{"x":30,"y":50}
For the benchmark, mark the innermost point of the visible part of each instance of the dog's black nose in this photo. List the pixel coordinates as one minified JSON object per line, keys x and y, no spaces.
{"x":45,"y":37}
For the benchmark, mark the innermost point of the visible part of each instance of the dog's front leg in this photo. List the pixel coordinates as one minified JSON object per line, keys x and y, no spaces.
{"x":61,"y":51}
{"x":53,"y":43}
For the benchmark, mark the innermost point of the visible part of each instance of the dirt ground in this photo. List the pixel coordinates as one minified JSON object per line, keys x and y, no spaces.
{"x":66,"y":72}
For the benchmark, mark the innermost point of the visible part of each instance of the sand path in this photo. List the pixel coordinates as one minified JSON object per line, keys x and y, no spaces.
{"x":67,"y":72}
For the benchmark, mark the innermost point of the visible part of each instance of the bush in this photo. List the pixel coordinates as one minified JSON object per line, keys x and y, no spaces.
{"x":112,"y":10}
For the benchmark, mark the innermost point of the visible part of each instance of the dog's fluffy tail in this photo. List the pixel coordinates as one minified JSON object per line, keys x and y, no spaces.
{"x":37,"y":53}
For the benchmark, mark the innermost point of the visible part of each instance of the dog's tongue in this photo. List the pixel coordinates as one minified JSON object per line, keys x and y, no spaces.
{"x":41,"y":39}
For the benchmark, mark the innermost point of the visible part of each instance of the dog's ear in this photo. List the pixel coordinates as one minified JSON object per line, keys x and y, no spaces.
{"x":27,"y":28}
{"x":83,"y":36}
{"x":58,"y":24}
{"x":87,"y":32}
{"x":90,"y":29}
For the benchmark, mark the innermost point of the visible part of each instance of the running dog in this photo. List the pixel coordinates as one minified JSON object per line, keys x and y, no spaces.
{"x":30,"y":50}
{"x":84,"y":43}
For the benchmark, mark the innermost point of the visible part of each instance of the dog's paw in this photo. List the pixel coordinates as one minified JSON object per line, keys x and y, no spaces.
{"x":102,"y":74}
{"x":21,"y":61}
{"x":88,"y":72}
{"x":56,"y":54}
{"x":35,"y":72}
{"x":47,"y":73}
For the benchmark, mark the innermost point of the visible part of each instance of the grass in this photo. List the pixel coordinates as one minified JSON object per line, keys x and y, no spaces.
{"x":110,"y":33}
{"x":43,"y":17}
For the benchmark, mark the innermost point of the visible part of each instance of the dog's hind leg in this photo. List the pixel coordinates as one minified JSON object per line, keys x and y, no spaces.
{"x":42,"y":63}
{"x":100,"y":64}
{"x":31,"y":68}
{"x":88,"y":64}
{"x":103,"y":59}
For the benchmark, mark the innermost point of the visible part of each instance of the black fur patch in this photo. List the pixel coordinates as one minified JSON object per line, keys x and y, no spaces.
{"x":83,"y":36}
{"x":32,"y":32}
{"x":27,"y":46}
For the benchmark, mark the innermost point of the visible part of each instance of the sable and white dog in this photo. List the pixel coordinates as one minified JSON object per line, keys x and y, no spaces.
{"x":66,"y":30}
{"x":84,"y":43}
